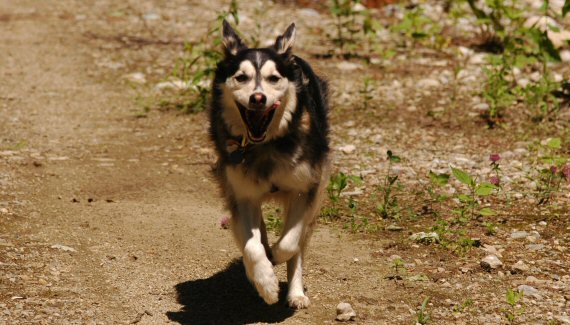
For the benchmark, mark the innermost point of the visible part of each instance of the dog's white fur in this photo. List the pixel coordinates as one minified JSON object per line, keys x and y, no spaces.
{"x":300,"y":183}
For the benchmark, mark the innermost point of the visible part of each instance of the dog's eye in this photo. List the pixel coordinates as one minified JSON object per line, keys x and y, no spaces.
{"x":242,"y":78}
{"x":273,"y":79}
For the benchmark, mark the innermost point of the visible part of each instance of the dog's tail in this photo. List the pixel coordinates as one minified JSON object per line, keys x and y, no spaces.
{"x":318,"y":93}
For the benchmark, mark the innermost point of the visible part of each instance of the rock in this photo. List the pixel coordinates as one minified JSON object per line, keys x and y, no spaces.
{"x":394,"y":228}
{"x":310,"y":13}
{"x":565,"y":55}
{"x":481,"y":107}
{"x":491,"y":262}
{"x":347,"y":149}
{"x":492,"y":250}
{"x":519,"y":267}
{"x":63,"y":248}
{"x":529,"y":291}
{"x":519,"y":234}
{"x":344,"y":312}
{"x":348,"y":66}
{"x":427,"y":238}
{"x":174,"y":84}
{"x":428,"y":83}
{"x":151,"y":16}
{"x":535,"y":247}
{"x":542,"y":223}
{"x":136,"y":77}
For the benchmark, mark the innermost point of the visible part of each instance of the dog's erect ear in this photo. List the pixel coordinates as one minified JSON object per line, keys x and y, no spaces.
{"x":284,"y":43}
{"x":232,"y":43}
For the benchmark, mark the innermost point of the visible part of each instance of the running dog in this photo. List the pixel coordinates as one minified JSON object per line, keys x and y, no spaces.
{"x":268,"y":121}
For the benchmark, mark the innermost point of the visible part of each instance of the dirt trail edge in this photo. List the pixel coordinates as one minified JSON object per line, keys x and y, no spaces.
{"x":112,"y":219}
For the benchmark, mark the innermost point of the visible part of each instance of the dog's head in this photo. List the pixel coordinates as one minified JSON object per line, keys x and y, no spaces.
{"x":258,"y":85}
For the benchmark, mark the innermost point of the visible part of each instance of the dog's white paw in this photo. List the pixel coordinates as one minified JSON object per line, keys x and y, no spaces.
{"x":266,"y":282}
{"x":298,"y":301}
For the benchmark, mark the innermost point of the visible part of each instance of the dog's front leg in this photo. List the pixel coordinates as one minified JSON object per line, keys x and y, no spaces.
{"x":246,"y":225}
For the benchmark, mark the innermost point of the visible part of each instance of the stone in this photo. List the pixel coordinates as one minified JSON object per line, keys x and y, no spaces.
{"x":136,"y":77}
{"x":63,"y":248}
{"x":422,"y":237}
{"x":348,"y":66}
{"x":344,"y":312}
{"x":519,"y":234}
{"x":519,"y":267}
{"x":491,"y":262}
{"x":529,"y":291}
{"x":535,"y":247}
{"x":347,"y":149}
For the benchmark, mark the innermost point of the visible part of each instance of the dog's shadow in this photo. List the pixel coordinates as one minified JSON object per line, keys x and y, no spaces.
{"x":227,"y":297}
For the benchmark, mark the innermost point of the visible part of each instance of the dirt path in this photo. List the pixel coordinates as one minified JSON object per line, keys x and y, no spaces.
{"x":114,"y":219}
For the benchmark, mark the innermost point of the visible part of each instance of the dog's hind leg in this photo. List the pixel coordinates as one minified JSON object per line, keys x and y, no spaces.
{"x":299,"y":217}
{"x":246,"y":226}
{"x":296,"y":295}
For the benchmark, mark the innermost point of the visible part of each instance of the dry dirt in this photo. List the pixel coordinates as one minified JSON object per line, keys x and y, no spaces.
{"x":109,"y":218}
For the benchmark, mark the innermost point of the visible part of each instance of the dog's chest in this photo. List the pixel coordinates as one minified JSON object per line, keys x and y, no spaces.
{"x":256,"y":176}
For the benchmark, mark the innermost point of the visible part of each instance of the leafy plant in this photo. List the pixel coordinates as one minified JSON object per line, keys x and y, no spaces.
{"x":512,"y":298}
{"x":193,"y":72}
{"x":423,"y":317}
{"x":469,"y":203}
{"x":346,"y":25}
{"x":419,"y":28}
{"x":337,"y":184}
{"x":553,"y":170}
{"x":388,"y":206}
{"x":274,"y":222}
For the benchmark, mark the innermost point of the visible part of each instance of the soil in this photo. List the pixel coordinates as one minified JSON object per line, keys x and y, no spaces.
{"x":110,"y":216}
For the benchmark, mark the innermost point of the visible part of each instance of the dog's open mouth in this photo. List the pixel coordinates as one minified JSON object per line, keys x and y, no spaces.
{"x":257,"y":119}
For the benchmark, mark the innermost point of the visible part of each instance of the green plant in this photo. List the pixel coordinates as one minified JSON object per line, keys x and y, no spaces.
{"x":423,"y":317}
{"x":465,"y":305}
{"x":193,"y":71}
{"x":517,"y":46}
{"x":274,"y":222}
{"x":337,"y":184}
{"x":345,"y":23}
{"x":388,"y":206}
{"x":551,"y":170}
{"x":366,"y":91}
{"x":513,"y":311}
{"x":419,"y":28}
{"x":491,"y":228}
{"x":469,"y":202}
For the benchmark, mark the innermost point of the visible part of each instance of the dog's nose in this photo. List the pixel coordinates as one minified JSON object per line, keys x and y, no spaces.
{"x":257,"y":99}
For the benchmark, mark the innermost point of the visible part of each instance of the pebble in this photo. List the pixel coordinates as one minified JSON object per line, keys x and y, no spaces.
{"x":564,"y":319}
{"x":394,"y":228}
{"x":529,"y":291}
{"x":519,"y":234}
{"x":136,"y":77}
{"x":535,"y":247}
{"x":347,"y":149}
{"x":428,"y":83}
{"x":344,"y":312}
{"x":492,"y":250}
{"x":63,"y":248}
{"x":519,"y":267}
{"x":430,"y":237}
{"x":490,"y":262}
{"x":348,"y":66}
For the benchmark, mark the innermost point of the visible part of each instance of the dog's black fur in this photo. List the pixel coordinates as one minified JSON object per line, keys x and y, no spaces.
{"x":290,"y":164}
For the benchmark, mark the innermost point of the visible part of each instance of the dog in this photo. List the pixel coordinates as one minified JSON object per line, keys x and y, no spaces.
{"x":268,"y":122}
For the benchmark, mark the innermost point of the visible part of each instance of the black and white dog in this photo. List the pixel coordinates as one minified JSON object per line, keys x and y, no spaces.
{"x":268,"y":120}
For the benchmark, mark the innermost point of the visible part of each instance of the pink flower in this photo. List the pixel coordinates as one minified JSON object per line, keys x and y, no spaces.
{"x":225,"y":222}
{"x":494,"y":157}
{"x":553,"y":169}
{"x":494,"y":180}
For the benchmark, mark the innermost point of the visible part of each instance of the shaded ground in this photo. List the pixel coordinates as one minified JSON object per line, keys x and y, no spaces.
{"x":111,"y":218}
